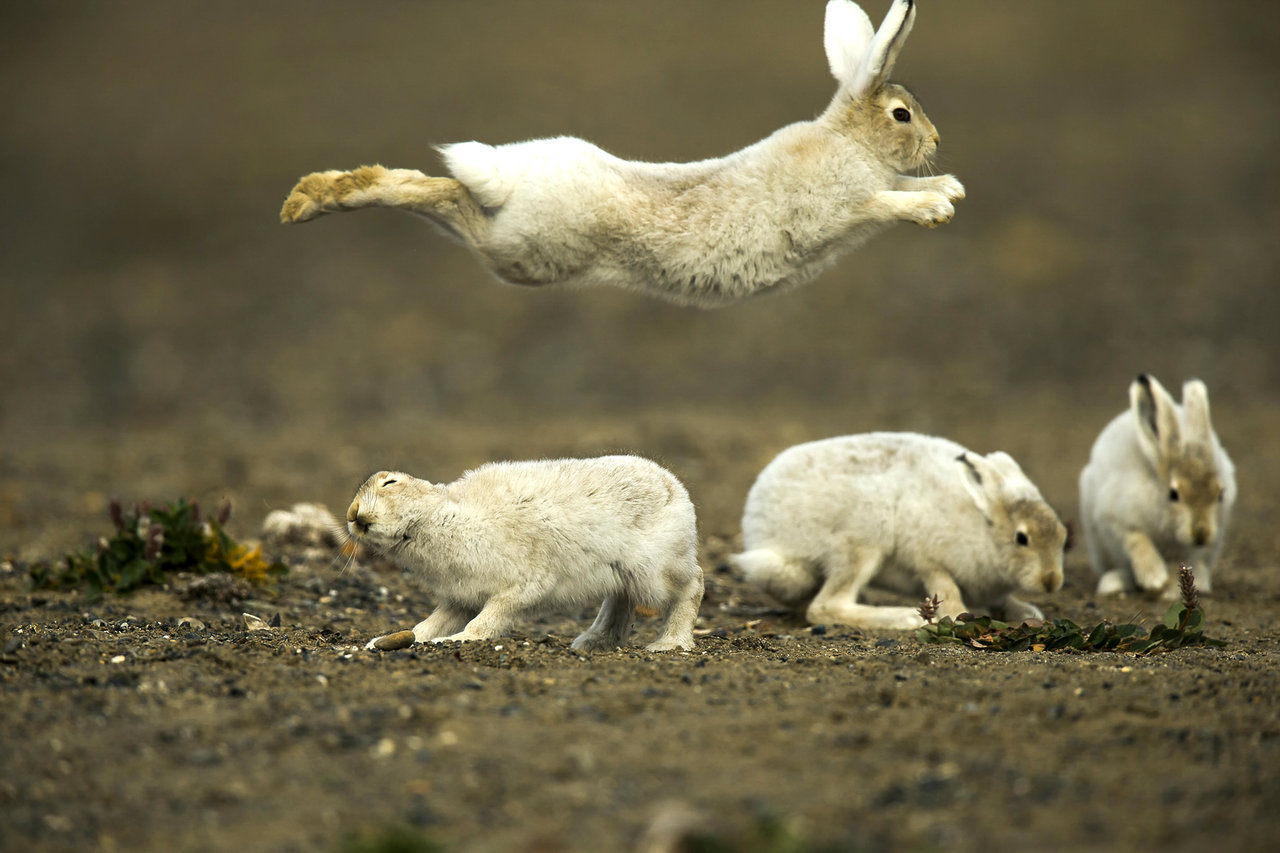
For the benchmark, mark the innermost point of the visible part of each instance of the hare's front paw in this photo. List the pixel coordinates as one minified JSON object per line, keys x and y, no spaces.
{"x":1115,"y":582}
{"x":1016,"y":611}
{"x":932,"y":209}
{"x":949,"y":187}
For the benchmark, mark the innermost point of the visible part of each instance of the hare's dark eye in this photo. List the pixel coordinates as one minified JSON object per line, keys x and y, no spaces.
{"x":901,"y":114}
{"x":391,"y":481}
{"x":1173,"y":495}
{"x":1021,"y":538}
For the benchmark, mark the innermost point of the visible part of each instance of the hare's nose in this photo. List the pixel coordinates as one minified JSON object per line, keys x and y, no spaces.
{"x":357,"y":522}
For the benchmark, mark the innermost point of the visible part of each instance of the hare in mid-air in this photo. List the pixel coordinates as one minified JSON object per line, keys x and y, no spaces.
{"x":909,"y":513}
{"x":708,"y":233}
{"x":1157,"y":492}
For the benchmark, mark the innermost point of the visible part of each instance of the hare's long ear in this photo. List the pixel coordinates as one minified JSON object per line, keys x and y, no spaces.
{"x":1156,"y":417}
{"x":846,"y":35}
{"x":1195,"y":409}
{"x":981,"y":480}
{"x":878,"y":63}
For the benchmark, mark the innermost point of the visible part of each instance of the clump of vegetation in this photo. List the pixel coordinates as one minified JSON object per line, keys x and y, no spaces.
{"x":395,"y":839}
{"x":768,"y":833}
{"x":1183,"y":625}
{"x":148,"y":545}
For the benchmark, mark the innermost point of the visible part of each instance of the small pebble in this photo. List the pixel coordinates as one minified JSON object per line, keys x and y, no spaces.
{"x":391,"y":642}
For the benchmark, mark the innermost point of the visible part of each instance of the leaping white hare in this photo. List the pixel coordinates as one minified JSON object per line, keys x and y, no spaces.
{"x":768,"y":217}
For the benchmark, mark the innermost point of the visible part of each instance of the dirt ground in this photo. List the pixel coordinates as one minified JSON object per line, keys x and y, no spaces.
{"x":165,"y":338}
{"x":126,"y":729}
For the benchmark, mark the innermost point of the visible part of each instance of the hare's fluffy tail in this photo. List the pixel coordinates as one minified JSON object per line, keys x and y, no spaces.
{"x":791,"y":581}
{"x":483,"y":169}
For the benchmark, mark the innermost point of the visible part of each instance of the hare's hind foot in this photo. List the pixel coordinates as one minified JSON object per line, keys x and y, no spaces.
{"x":444,"y":201}
{"x":327,"y":192}
{"x":589,"y":642}
{"x":611,"y":628}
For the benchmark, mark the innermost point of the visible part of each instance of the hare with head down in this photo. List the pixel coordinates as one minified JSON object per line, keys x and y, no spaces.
{"x":510,"y":541}
{"x":1157,"y":492}
{"x":708,"y":233}
{"x":912,"y":514}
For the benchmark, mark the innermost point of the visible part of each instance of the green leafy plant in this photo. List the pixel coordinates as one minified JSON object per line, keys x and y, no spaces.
{"x":1183,"y":625}
{"x":395,"y":839}
{"x":148,"y":544}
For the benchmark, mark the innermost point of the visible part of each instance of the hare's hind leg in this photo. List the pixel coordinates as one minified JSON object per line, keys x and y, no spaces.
{"x":444,"y":201}
{"x":612,"y":625}
{"x":680,"y":612}
{"x":837,"y":601}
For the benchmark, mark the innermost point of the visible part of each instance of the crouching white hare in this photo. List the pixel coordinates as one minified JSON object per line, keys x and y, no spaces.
{"x":708,"y":233}
{"x":510,"y":540}
{"x":1157,"y":492}
{"x":908,"y":513}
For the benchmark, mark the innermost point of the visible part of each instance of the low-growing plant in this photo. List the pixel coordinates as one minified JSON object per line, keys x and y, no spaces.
{"x":148,"y":545}
{"x":1183,"y":625}
{"x":394,"y":839}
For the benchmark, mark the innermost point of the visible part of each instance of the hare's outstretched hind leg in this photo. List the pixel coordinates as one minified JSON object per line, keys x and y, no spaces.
{"x":444,"y":201}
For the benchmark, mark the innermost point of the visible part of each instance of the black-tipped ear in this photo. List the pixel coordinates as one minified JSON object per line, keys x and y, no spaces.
{"x":979,"y":481}
{"x":1155,"y":413}
{"x":886,"y":46}
{"x":1144,"y":403}
{"x":973,"y":471}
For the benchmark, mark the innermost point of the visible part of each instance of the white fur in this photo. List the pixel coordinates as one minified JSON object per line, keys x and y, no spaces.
{"x":767,"y":217}
{"x":1136,"y":534}
{"x":511,"y":540}
{"x":910,"y":513}
{"x":846,"y":36}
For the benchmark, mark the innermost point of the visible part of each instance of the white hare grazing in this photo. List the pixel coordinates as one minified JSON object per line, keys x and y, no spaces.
{"x":909,"y":513}
{"x":1157,"y":492}
{"x":510,"y":540}
{"x":770,"y":216}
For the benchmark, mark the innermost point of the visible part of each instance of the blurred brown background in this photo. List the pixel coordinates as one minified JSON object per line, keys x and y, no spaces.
{"x":164,"y":335}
